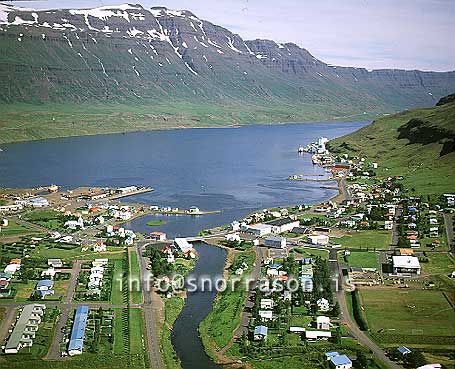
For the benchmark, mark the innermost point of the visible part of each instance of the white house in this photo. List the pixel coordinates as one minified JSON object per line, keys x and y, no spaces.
{"x":283,"y":225}
{"x":258,"y":229}
{"x":232,"y":237}
{"x":99,"y":247}
{"x":319,"y":239}
{"x":235,"y":226}
{"x":317,"y":335}
{"x":338,"y":361}
{"x":266,"y":314}
{"x":49,"y":272}
{"x":323,"y":304}
{"x":158,"y":236}
{"x":405,"y":264}
{"x":182,"y":245}
{"x":323,"y":322}
{"x":388,"y":224}
{"x":267,"y":303}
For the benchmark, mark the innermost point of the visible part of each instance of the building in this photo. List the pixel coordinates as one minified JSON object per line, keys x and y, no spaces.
{"x":320,"y":239}
{"x":182,"y":245}
{"x":276,"y":242}
{"x":8,"y":208}
{"x":232,"y":237}
{"x":126,"y":190}
{"x":158,"y":236}
{"x":403,"y":350}
{"x":260,"y":333}
{"x":323,"y":322}
{"x":388,"y":224}
{"x":99,"y":247}
{"x":283,"y":225}
{"x":55,"y":263}
{"x":25,"y":329}
{"x":78,"y":332}
{"x":266,"y":314}
{"x":44,"y":285}
{"x":194,"y":210}
{"x":38,"y":202}
{"x":235,"y":226}
{"x":258,"y":229}
{"x":318,"y":335}
{"x":267,"y":303}
{"x":405,"y":264}
{"x":340,"y":362}
{"x":323,"y":304}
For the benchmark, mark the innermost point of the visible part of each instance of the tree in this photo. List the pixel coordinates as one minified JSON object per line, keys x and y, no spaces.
{"x":362,"y":360}
{"x":414,"y":359}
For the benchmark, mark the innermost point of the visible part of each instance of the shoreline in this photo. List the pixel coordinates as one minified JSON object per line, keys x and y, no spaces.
{"x":183,"y":127}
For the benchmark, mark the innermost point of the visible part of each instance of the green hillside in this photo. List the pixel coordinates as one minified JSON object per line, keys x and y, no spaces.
{"x":418,"y":143}
{"x":129,"y":68}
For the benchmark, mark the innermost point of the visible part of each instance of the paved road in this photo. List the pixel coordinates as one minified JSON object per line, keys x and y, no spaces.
{"x":350,"y":324}
{"x":255,"y":274}
{"x":7,"y":322}
{"x":448,"y":220}
{"x":151,"y":320}
{"x":66,"y":307}
{"x":396,"y":228}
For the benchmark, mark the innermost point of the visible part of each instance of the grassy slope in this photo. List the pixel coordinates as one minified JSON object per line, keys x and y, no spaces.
{"x":421,"y":165}
{"x":24,"y":122}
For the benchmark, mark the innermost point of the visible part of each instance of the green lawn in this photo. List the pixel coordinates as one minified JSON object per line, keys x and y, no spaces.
{"x":217,"y":328}
{"x":363,"y":259}
{"x":156,"y":222}
{"x":136,"y":324}
{"x":439,"y":263}
{"x":116,"y":293}
{"x":135,"y":273}
{"x":311,"y":253}
{"x":14,"y":228}
{"x":173,"y":307}
{"x":371,"y":239}
{"x":409,"y":316}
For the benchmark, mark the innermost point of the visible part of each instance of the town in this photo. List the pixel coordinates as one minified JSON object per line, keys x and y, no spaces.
{"x":369,"y":264}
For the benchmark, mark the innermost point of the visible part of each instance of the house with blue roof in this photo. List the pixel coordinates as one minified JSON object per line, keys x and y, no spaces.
{"x":403,"y":350}
{"x":338,"y":361}
{"x":78,"y":332}
{"x":44,"y":285}
{"x":260,"y":333}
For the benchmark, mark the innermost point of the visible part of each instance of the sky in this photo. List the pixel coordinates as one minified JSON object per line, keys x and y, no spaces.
{"x":405,"y":34}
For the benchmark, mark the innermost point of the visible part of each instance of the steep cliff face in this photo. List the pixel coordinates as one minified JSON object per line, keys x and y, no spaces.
{"x":129,"y":52}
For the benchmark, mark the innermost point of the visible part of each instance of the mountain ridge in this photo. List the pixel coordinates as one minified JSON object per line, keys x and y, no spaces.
{"x":157,"y":59}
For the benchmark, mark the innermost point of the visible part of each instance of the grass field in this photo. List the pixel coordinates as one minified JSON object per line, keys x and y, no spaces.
{"x":14,"y":228}
{"x":379,"y":240}
{"x":117,"y":294}
{"x":135,"y":273}
{"x":363,"y":259}
{"x":409,"y":316}
{"x":439,"y":263}
{"x":173,"y":307}
{"x":135,"y":331}
{"x":311,"y":253}
{"x":217,"y":328}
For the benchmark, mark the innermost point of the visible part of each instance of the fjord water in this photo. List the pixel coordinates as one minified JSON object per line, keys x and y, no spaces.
{"x":233,"y":170}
